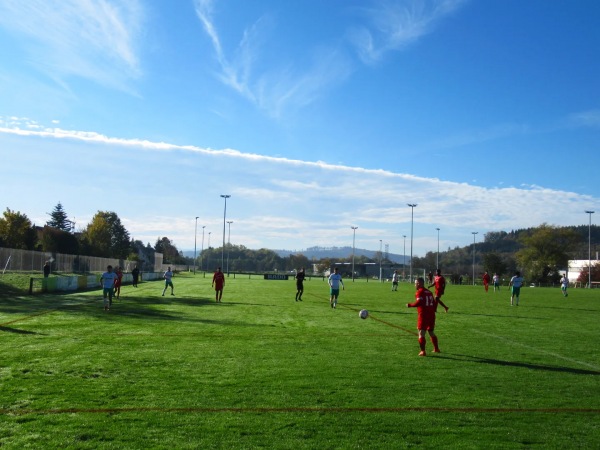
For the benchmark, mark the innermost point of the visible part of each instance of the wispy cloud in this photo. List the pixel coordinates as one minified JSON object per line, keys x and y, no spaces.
{"x":274,"y":90}
{"x":392,"y":25}
{"x":491,"y":133}
{"x":233,"y":74}
{"x":583,"y":119}
{"x":91,"y":39}
{"x":277,"y":202}
{"x":590,"y":118}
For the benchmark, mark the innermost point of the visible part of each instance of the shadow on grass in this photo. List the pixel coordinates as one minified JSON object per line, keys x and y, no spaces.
{"x":377,"y":311}
{"x":224,"y":303}
{"x":15,"y":330}
{"x":494,"y":315}
{"x":569,"y":308}
{"x":498,"y":362}
{"x":29,"y":305}
{"x":138,"y":307}
{"x":9,"y":291}
{"x":147,"y":308}
{"x":20,"y":308}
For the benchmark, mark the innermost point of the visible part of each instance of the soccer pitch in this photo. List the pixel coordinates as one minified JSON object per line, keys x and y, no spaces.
{"x":263,"y":371}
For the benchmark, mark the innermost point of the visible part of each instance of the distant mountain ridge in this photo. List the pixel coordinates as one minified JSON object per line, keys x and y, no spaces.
{"x":341,"y":252}
{"x":329,"y":252}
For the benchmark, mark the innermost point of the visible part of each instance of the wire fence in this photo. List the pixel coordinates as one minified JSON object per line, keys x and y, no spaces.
{"x":15,"y":260}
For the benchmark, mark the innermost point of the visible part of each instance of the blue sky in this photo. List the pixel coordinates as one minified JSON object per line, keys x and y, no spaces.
{"x":313,"y":115}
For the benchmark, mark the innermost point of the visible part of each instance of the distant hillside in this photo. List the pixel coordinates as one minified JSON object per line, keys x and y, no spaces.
{"x":460,"y":259}
{"x":340,"y":252}
{"x":328,"y":252}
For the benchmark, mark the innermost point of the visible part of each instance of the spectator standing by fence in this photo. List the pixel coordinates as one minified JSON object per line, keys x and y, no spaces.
{"x":135,"y":275}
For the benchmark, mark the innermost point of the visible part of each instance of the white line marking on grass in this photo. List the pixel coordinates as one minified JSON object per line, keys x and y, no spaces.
{"x":529,"y":347}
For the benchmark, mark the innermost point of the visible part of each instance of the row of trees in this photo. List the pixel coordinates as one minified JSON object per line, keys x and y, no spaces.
{"x":104,"y":236}
{"x":540,"y":252}
{"x":237,"y":258}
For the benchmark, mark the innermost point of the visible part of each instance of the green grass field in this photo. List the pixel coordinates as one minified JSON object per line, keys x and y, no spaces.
{"x":263,"y":371}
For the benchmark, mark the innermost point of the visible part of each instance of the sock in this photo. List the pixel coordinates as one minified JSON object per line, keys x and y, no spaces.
{"x":422,"y":343}
{"x":434,"y":341}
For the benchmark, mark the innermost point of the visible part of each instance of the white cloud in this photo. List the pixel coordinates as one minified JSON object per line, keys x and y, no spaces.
{"x":91,"y":39}
{"x":293,"y":85}
{"x":275,"y":203}
{"x":392,"y":25}
{"x":279,"y":89}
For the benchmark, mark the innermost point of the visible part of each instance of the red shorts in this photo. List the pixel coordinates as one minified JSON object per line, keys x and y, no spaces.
{"x":426,"y":322}
{"x":219,"y":286}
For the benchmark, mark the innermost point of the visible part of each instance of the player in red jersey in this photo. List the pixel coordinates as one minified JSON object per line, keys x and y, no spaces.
{"x":218,"y":282}
{"x":425,"y":304}
{"x":486,"y":281}
{"x":440,"y":286}
{"x":118,"y":281}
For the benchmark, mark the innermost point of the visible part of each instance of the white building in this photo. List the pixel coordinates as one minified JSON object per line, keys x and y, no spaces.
{"x":576,"y":266}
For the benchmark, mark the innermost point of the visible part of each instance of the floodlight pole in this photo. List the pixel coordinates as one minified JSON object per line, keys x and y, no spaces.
{"x":474,"y":233}
{"x":404,"y":263}
{"x":229,"y":222}
{"x":195,"y":235}
{"x":353,"y":247}
{"x":202,"y":252}
{"x":412,"y":210}
{"x":208,"y":259}
{"x":380,"y":257}
{"x":437,"y":261}
{"x":590,"y":250}
{"x":225,"y":197}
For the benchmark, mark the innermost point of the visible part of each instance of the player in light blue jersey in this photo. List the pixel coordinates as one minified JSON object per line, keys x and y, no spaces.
{"x":107,"y":280}
{"x":564,"y":284}
{"x":335,"y":279}
{"x":168,"y":276}
{"x":515,"y":287}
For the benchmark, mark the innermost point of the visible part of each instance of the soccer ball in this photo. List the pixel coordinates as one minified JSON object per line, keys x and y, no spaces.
{"x":363,"y":314}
